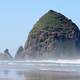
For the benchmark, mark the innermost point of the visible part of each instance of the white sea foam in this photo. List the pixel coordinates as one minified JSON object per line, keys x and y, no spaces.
{"x":75,"y":61}
{"x":53,"y":65}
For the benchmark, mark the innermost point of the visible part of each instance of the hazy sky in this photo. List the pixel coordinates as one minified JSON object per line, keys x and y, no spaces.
{"x":17,"y":18}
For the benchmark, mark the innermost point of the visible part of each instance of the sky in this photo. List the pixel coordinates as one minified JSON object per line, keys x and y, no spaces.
{"x":17,"y":18}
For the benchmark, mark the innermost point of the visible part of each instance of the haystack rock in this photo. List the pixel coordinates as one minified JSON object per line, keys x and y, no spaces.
{"x":54,"y":36}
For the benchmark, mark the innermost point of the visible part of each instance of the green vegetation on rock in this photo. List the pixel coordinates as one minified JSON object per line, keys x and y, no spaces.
{"x":52,"y":20}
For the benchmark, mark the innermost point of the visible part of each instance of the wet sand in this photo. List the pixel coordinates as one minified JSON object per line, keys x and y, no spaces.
{"x":51,"y":75}
{"x":40,"y":75}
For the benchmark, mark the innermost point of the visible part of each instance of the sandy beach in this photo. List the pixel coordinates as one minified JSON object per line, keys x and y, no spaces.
{"x":41,"y":75}
{"x":51,"y":75}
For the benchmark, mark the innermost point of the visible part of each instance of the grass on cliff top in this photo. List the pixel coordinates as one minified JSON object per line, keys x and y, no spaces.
{"x":49,"y":21}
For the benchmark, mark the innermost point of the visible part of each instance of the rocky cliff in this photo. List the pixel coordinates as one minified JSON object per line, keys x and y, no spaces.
{"x":20,"y":54}
{"x":53,"y":36}
{"x":6,"y":55}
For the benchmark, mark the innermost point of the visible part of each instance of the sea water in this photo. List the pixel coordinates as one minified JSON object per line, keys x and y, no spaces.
{"x":40,"y":70}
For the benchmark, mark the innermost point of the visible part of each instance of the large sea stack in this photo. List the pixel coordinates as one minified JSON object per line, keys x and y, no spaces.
{"x":54,"y":36}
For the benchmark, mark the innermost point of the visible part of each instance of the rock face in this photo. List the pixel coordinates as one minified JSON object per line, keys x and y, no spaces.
{"x":19,"y":54}
{"x":53,"y":36}
{"x":6,"y":55}
{"x":3,"y":56}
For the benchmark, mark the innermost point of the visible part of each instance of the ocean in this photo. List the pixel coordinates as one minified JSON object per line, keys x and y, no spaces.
{"x":40,"y":70}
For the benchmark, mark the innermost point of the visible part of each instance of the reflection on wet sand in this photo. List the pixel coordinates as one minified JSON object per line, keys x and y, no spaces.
{"x":14,"y":74}
{"x":49,"y":75}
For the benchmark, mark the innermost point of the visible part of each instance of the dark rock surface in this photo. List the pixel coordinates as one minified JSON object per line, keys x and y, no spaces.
{"x":6,"y":52}
{"x":6,"y":55}
{"x":54,"y":36}
{"x":19,"y":54}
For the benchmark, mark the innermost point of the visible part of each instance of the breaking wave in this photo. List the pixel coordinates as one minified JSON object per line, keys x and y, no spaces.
{"x":53,"y":65}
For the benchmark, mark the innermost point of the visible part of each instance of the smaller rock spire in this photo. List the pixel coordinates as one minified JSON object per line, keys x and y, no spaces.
{"x":6,"y":51}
